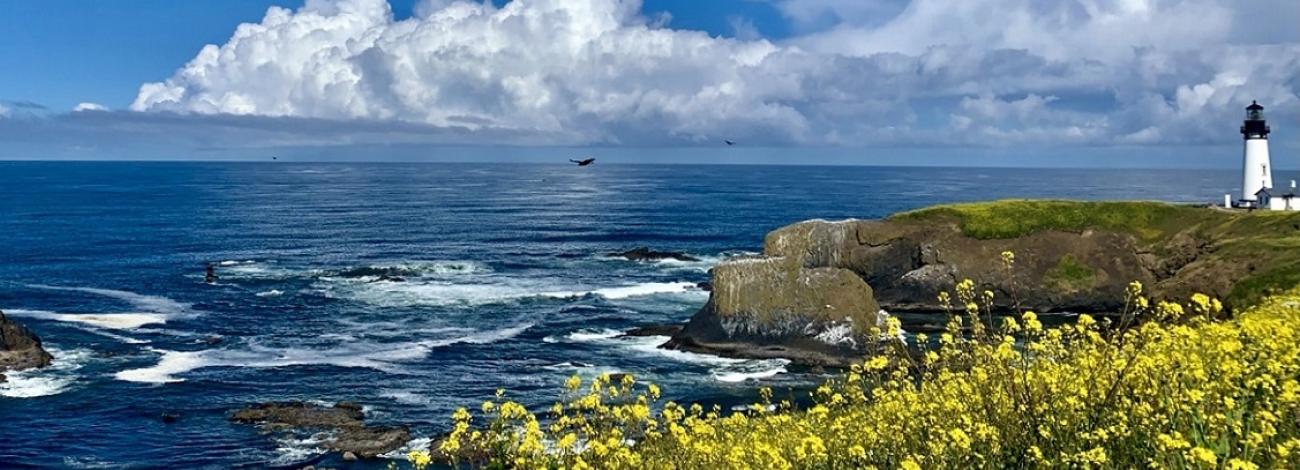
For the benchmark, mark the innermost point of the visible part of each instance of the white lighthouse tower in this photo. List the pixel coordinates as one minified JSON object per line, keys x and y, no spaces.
{"x":1256,"y":170}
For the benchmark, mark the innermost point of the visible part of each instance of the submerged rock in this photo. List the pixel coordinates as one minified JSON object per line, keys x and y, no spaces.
{"x":345,"y":420}
{"x":296,"y":414}
{"x":646,"y":254}
{"x":654,"y":330}
{"x":20,"y":348}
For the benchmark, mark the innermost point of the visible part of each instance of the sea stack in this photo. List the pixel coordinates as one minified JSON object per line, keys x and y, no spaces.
{"x":20,"y":348}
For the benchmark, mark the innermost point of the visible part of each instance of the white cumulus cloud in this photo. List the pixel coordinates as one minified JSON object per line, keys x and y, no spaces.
{"x":81,"y":107}
{"x":865,"y":72}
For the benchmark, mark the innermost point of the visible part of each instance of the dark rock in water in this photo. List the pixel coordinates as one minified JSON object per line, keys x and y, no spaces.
{"x":20,"y":348}
{"x":387,"y":278}
{"x":646,"y":254}
{"x":297,"y":414}
{"x":170,"y":418}
{"x":3,"y":379}
{"x":654,"y":330}
{"x":212,"y":340}
{"x":369,"y":442}
{"x":706,"y":286}
{"x":345,"y":419}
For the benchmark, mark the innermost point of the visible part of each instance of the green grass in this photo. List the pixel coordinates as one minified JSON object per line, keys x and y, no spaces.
{"x":1149,"y":221}
{"x":1069,"y":273}
{"x":1267,"y":242}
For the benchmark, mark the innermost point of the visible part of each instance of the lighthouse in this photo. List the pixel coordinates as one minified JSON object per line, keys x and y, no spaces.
{"x":1256,"y":171}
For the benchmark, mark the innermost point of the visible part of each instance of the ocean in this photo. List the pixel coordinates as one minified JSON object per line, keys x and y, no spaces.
{"x":505,"y":283}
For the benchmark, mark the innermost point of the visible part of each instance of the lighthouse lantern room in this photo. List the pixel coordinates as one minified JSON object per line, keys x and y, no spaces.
{"x":1257,"y":171}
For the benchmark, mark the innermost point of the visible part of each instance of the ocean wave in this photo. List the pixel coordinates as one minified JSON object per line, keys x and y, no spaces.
{"x":147,"y":303}
{"x":722,"y":369}
{"x":633,"y":290}
{"x":585,"y":336}
{"x":115,"y":321}
{"x":270,"y":293}
{"x":750,"y":370}
{"x":52,"y":380}
{"x":378,"y":356}
{"x":419,"y":443}
{"x":254,"y":270}
{"x":291,"y":449}
{"x":481,"y":290}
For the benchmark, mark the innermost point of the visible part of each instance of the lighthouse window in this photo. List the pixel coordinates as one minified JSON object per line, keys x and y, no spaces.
{"x":1255,"y":115}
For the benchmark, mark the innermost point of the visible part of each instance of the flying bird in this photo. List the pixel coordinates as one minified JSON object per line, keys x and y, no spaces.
{"x":729,"y":142}
{"x":584,"y":162}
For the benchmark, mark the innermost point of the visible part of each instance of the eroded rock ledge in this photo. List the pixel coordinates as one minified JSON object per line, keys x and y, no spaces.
{"x":817,"y":289}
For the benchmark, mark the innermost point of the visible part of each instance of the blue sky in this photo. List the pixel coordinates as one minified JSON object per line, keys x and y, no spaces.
{"x":74,"y":51}
{"x":980,"y":82}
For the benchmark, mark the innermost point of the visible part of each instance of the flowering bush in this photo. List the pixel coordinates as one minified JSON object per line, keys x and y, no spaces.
{"x":1165,"y":385}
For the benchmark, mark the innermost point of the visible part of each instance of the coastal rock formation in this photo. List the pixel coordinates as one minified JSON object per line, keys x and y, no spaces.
{"x":20,"y":348}
{"x":778,"y":307}
{"x":646,"y":254}
{"x":819,"y":276}
{"x":345,"y":420}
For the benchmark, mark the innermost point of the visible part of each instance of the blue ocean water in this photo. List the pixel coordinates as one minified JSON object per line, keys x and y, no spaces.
{"x":506,"y":285}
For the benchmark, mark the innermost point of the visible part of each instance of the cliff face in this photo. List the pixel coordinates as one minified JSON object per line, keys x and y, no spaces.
{"x":19,"y":347}
{"x":819,"y":276}
{"x":907,"y":265}
{"x":775,"y":307}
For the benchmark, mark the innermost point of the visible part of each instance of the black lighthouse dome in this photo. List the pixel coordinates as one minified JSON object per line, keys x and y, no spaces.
{"x":1255,"y":127}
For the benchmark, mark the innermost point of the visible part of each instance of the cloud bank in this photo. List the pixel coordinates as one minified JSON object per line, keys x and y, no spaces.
{"x":858,"y":73}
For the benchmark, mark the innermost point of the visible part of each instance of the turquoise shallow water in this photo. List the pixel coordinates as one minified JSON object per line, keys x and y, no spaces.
{"x":505,"y":285}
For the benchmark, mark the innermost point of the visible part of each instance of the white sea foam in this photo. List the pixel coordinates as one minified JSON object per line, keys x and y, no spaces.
{"x":291,"y":449}
{"x":480,"y":290}
{"x":378,"y":356}
{"x":592,"y":335}
{"x":633,"y":290}
{"x":147,"y":303}
{"x":271,"y":293}
{"x":419,"y":443}
{"x":58,"y":377}
{"x":723,"y":369}
{"x":751,"y":370}
{"x":116,"y":321}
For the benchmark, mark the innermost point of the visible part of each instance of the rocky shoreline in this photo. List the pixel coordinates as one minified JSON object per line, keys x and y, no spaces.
{"x":820,"y":286}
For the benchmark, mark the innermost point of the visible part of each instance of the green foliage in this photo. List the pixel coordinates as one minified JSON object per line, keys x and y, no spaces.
{"x":1167,"y":386}
{"x":1070,"y":273}
{"x":1013,"y":218}
{"x":1260,"y":248}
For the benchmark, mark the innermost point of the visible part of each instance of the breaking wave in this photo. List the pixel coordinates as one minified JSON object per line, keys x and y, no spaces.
{"x":60,"y":375}
{"x":378,"y":356}
{"x":147,"y":303}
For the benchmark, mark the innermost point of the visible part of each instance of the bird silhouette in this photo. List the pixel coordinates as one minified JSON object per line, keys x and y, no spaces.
{"x":583,"y":162}
{"x":729,"y":143}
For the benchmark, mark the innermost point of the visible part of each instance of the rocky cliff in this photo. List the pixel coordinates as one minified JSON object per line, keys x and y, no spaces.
{"x":20,"y":348}
{"x":817,"y":288}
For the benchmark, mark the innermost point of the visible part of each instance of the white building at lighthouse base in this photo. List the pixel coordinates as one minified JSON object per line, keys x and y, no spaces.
{"x":1278,"y":199}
